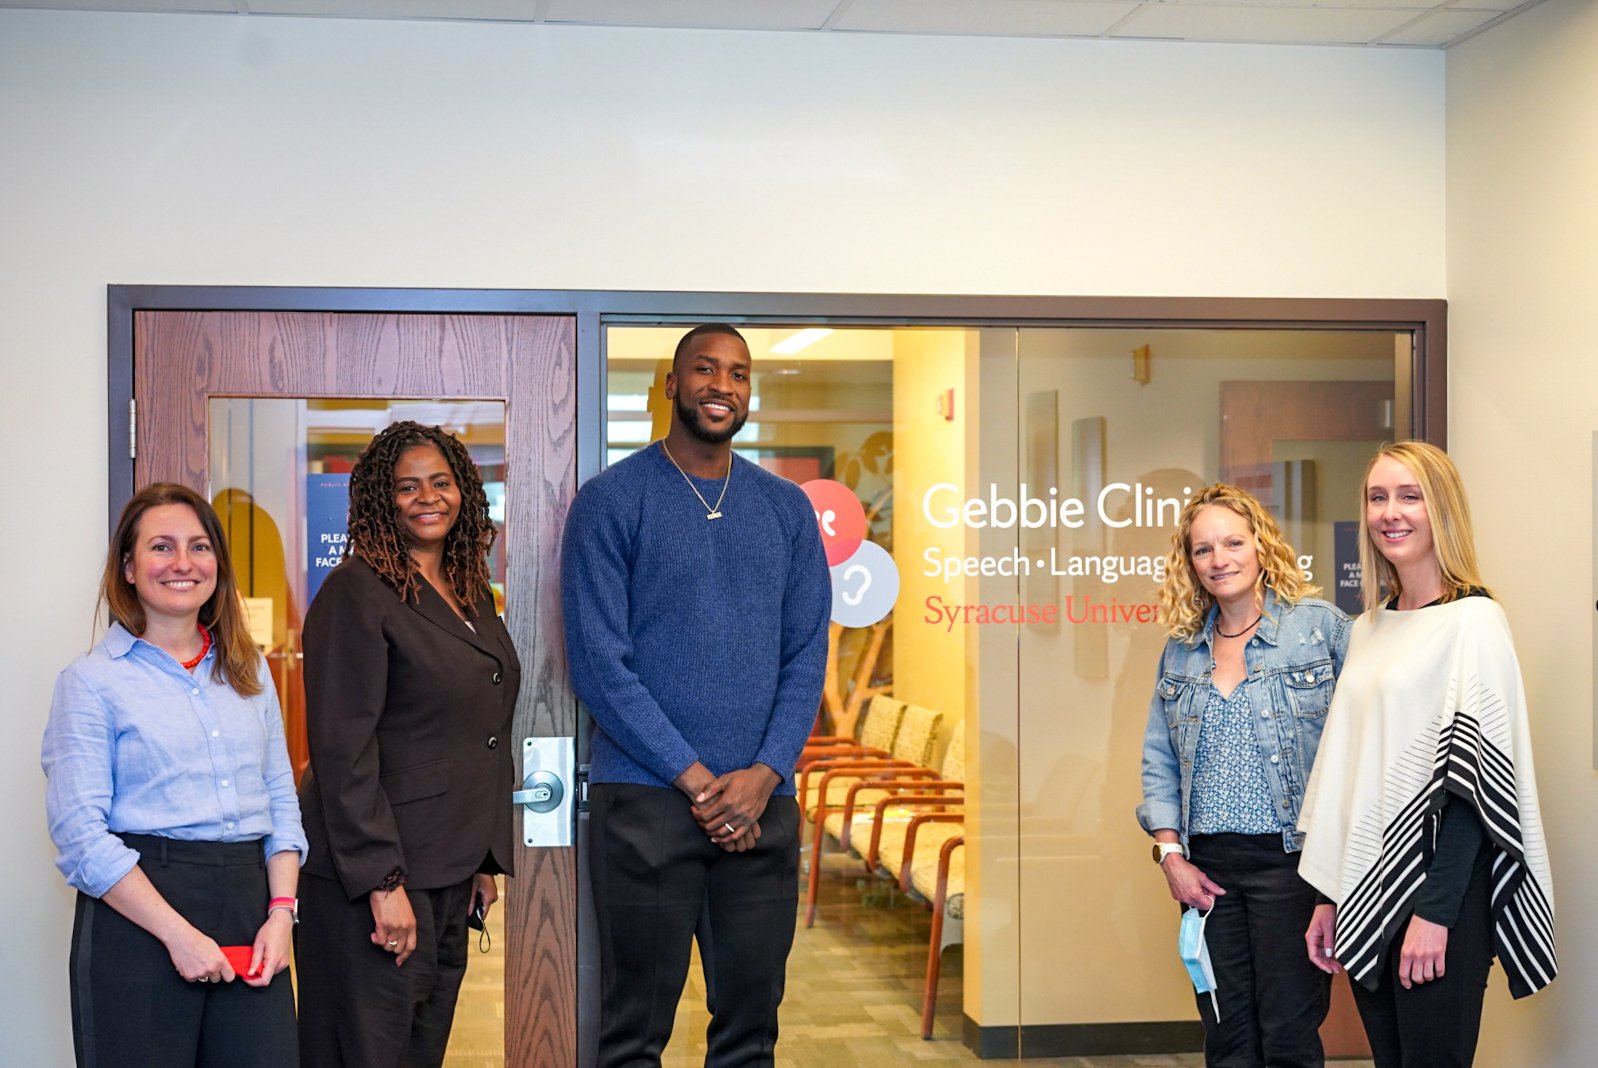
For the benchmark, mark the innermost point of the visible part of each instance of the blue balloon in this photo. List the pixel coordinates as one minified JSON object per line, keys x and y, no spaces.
{"x":864,"y":586}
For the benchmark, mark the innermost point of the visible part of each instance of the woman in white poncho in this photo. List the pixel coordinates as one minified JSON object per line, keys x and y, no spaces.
{"x":1421,"y":818}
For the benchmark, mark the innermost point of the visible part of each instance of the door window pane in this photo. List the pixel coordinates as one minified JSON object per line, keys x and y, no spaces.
{"x":279,"y":470}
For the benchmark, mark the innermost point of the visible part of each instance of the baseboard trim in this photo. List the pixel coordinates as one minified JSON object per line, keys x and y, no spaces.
{"x":1083,"y":1040}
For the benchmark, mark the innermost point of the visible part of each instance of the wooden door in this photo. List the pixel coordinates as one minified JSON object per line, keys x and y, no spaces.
{"x":182,"y":360}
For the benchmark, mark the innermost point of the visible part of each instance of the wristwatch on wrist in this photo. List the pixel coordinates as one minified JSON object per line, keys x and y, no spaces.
{"x":1165,"y":849}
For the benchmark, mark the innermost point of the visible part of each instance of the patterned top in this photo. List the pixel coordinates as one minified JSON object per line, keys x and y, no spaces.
{"x":1230,"y":791}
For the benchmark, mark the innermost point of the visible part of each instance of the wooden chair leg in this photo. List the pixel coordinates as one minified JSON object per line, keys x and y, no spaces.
{"x":817,"y":841}
{"x":940,"y":902}
{"x":929,"y":999}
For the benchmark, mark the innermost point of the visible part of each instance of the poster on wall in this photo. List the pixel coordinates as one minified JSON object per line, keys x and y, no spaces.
{"x":327,"y":511}
{"x":1346,"y":575}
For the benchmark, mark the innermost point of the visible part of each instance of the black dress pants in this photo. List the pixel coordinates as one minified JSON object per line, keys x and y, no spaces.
{"x":654,"y":871}
{"x":357,"y":1008}
{"x":1435,"y":1024}
{"x":1272,"y":999}
{"x":131,"y":1008}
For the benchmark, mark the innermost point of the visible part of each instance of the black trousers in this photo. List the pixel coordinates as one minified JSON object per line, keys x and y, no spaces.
{"x":357,"y":1008}
{"x":1272,"y":999}
{"x":654,"y":871}
{"x":131,"y":1008}
{"x":1435,"y":1024}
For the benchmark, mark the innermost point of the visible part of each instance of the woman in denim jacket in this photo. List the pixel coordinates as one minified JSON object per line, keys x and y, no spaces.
{"x":1239,"y":702}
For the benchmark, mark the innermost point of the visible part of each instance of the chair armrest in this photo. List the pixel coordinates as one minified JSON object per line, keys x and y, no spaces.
{"x":941,"y":898}
{"x":920,"y":783}
{"x":831,"y":768}
{"x":910,"y":841}
{"x":873,"y":853}
{"x":810,"y":757}
{"x":836,"y":759}
{"x":892,"y":784}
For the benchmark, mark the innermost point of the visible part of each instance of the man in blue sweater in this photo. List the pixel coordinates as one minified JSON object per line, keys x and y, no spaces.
{"x":696,"y":599}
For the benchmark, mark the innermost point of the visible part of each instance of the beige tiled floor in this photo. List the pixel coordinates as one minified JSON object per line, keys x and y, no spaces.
{"x":477,"y":1039}
{"x":854,"y":996}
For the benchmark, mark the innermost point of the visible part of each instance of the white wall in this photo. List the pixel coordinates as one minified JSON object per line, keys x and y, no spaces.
{"x":252,"y":150}
{"x":1522,"y":227}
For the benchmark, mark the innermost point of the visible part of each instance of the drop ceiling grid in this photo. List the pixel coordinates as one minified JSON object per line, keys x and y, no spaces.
{"x":1400,"y":23}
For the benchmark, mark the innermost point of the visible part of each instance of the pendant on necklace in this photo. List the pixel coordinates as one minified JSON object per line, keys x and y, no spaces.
{"x":713,"y":515}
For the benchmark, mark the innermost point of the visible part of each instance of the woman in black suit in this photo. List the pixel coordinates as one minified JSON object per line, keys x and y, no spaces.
{"x":410,"y":683}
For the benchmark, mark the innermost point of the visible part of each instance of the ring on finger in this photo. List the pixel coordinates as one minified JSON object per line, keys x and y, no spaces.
{"x":392,"y":943}
{"x":730,"y":828}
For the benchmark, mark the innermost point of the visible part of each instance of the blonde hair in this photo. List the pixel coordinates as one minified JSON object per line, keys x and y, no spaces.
{"x":1453,"y":539}
{"x":1184,"y":602}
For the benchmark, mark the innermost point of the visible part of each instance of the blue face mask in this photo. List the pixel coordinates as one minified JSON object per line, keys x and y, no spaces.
{"x":1196,"y":955}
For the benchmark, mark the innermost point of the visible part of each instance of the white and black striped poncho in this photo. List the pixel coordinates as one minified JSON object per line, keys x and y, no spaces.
{"x":1428,"y":701}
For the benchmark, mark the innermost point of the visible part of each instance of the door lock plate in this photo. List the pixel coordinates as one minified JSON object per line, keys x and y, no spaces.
{"x":546,"y":794}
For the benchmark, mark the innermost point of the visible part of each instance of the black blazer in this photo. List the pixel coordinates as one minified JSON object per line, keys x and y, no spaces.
{"x":408,"y":714}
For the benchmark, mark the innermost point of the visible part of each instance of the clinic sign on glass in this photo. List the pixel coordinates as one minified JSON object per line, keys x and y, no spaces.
{"x":865,"y":579}
{"x":1118,"y":505}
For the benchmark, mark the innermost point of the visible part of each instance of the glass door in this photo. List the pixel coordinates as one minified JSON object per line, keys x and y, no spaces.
{"x":279,"y":479}
{"x":1023,"y":484}
{"x":1121,"y":426}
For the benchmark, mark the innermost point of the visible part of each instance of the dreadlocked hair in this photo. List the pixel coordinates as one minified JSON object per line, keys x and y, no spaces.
{"x":375,"y":534}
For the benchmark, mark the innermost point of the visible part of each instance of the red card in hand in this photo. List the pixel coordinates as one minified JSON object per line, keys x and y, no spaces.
{"x":239,"y":957}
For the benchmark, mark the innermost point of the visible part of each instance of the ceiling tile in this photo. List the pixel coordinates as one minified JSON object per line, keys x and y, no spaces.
{"x":717,"y":14}
{"x":1263,"y":25}
{"x":1411,"y":5}
{"x":1441,"y":27}
{"x":500,"y":10}
{"x":151,"y":6}
{"x":1497,"y":5}
{"x":1016,"y":18}
{"x":1386,"y":22}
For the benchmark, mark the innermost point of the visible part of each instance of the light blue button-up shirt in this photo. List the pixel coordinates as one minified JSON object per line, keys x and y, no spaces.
{"x":137,"y":745}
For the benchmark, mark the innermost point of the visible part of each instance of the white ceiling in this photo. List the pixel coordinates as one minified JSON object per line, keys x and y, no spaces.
{"x":1392,"y":23}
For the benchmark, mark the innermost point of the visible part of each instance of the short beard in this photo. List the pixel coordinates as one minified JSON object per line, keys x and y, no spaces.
{"x":688,"y":416}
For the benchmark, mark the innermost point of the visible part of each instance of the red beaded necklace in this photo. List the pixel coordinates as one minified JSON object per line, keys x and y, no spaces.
{"x":205,"y":647}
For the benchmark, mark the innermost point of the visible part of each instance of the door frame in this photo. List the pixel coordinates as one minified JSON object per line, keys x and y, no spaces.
{"x":596,"y":308}
{"x":593,"y":310}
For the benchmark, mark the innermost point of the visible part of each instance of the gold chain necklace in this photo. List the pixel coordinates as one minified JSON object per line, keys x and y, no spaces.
{"x":711,"y":511}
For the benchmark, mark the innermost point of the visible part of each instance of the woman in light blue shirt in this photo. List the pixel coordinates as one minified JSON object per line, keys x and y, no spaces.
{"x":1239,"y":702}
{"x":172,"y":805}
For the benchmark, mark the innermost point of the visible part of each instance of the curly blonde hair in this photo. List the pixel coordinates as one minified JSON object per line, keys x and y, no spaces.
{"x":1184,"y":602}
{"x":1453,"y":539}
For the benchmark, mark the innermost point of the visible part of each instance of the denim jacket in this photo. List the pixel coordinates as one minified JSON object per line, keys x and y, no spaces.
{"x":1293,"y":661}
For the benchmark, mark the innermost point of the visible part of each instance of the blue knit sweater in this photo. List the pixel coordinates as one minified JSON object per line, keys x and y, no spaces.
{"x":694,"y":639}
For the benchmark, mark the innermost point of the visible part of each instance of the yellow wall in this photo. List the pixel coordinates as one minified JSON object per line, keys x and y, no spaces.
{"x":929,"y":662}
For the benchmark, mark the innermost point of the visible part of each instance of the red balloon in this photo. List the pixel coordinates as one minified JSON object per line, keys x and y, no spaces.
{"x":840,"y":516}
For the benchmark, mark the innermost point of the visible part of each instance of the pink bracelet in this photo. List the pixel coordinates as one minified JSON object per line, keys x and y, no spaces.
{"x":276,"y":901}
